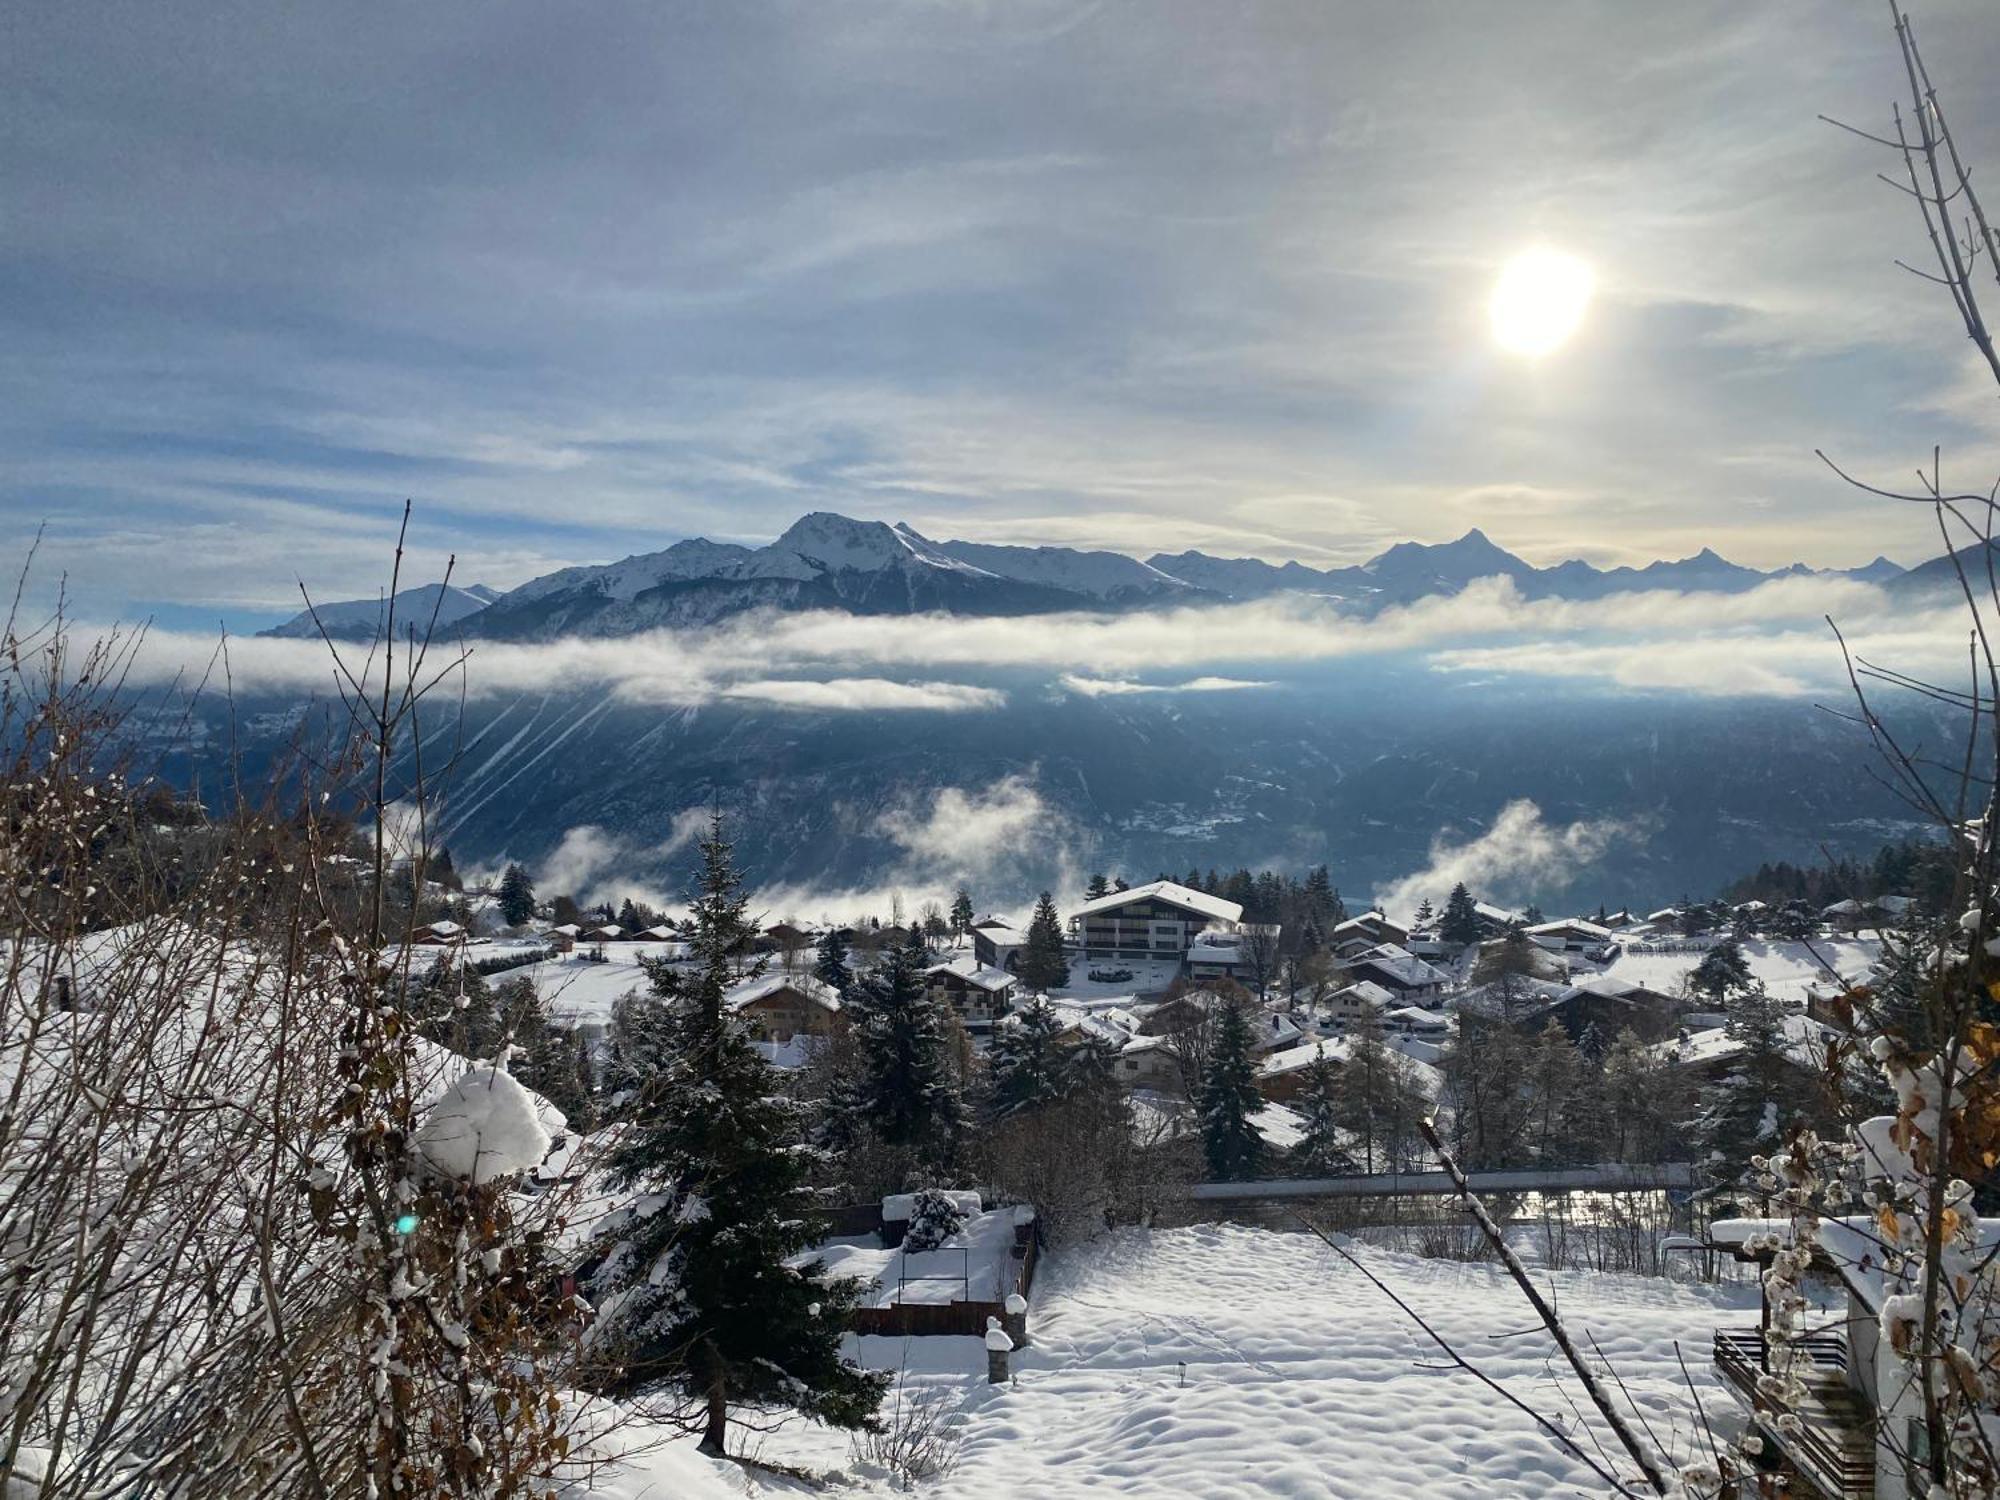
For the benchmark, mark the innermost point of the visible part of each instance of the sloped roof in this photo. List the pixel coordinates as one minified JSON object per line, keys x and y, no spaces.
{"x":1172,"y":893}
{"x":1577,"y":924}
{"x":753,"y":990}
{"x":974,"y":972}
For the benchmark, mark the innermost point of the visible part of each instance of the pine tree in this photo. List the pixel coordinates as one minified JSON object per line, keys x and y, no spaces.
{"x":1099,"y":886}
{"x":517,"y":897}
{"x":1722,"y":972}
{"x":697,"y":1290}
{"x":1192,"y":880}
{"x":1041,"y":964}
{"x":830,"y":967}
{"x":1426,"y":915}
{"x":961,"y":912}
{"x":1554,"y":1073}
{"x":1460,"y":923}
{"x":1028,"y":1061}
{"x":909,"y":1091}
{"x":1757,"y":1096}
{"x":628,"y":917}
{"x":550,"y":1069}
{"x":1229,"y":1097}
{"x":1319,"y":1152}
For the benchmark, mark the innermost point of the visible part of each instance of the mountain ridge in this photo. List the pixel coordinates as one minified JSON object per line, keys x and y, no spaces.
{"x":825,"y":560}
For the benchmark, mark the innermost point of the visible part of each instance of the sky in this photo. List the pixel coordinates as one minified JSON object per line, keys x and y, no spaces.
{"x":581,"y":281}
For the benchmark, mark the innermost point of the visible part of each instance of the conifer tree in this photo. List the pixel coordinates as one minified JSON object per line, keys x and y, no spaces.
{"x":517,"y":897}
{"x":908,"y":1094}
{"x":1460,"y":923}
{"x":961,"y":912}
{"x":697,"y":1290}
{"x":1041,"y":964}
{"x":1426,"y":915}
{"x":1757,"y":1096}
{"x":1229,"y":1097}
{"x":1099,"y":886}
{"x":830,"y":966}
{"x":1722,"y":972}
{"x":1319,"y":1152}
{"x":1028,"y":1060}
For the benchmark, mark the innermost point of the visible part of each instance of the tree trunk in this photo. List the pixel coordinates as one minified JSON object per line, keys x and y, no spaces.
{"x":718,"y":1420}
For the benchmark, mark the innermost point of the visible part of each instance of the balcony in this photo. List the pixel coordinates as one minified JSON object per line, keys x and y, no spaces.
{"x":1834,"y":1451}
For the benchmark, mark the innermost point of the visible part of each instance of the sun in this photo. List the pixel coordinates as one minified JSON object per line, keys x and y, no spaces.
{"x":1539,"y":301}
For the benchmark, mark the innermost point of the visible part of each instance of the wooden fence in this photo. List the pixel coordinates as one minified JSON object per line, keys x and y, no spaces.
{"x":934,"y":1319}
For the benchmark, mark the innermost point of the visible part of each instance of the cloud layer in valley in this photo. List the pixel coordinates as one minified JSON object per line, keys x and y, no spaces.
{"x":1770,"y":640}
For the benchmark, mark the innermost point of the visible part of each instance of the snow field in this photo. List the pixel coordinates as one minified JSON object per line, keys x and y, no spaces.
{"x":1301,"y":1380}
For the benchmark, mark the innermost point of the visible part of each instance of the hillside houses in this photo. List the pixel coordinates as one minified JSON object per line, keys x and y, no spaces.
{"x":1401,"y":973}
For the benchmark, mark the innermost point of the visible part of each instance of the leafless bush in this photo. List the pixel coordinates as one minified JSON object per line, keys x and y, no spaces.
{"x":918,"y":1438}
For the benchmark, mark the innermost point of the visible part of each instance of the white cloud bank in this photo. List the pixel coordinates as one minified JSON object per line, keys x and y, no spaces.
{"x":1769,"y":639}
{"x":1521,"y":853}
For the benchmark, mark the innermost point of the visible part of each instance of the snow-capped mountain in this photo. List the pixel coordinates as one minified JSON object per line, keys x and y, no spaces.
{"x":1110,"y":576}
{"x":361,"y":619}
{"x":829,"y":561}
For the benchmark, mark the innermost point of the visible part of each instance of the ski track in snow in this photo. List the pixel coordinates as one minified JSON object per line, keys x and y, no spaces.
{"x":1302,"y":1380}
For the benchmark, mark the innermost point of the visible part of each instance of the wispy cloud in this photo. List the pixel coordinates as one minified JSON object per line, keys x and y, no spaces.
{"x":1118,"y":687}
{"x":1521,"y":855}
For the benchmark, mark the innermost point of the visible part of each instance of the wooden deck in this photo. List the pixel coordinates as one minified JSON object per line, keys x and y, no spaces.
{"x":1835,"y":1451}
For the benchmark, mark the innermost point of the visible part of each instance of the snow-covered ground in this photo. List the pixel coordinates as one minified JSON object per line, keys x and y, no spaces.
{"x":1785,"y":967}
{"x":974,"y":1265}
{"x":580,"y":992}
{"x":1223,"y":1361}
{"x":1149,"y":977}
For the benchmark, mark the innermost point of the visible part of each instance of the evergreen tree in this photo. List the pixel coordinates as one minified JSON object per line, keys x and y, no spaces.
{"x":909,"y":1089}
{"x":1425,"y":916}
{"x":1722,"y":972}
{"x":1041,"y":964}
{"x":1099,"y":886}
{"x":550,"y":1069}
{"x":517,"y":897}
{"x":1028,"y":1060}
{"x":628,"y":917}
{"x":1229,"y":1097}
{"x":1555,"y":1073}
{"x":1759,"y":1095}
{"x":961,"y":912}
{"x":1460,"y":923}
{"x":1192,"y":880}
{"x":830,"y":966}
{"x":698,"y":1289}
{"x":1532,"y":917}
{"x":1319,"y":1152}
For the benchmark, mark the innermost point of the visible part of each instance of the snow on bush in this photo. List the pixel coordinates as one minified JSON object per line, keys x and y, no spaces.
{"x":934,"y":1218}
{"x":484,"y":1127}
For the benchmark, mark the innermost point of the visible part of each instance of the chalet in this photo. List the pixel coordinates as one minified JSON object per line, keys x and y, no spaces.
{"x":1398,"y":971}
{"x":563,"y":938}
{"x":656,"y":935}
{"x":1157,"y":920}
{"x":1373,"y":926}
{"x":785,"y":938}
{"x":1150,"y":1062}
{"x":1415,"y":1021}
{"x":1274,"y":1033}
{"x":1571,"y":935}
{"x":1495,"y":921}
{"x":1346,"y":1006}
{"x":1282,"y":1076}
{"x":779,"y":1007}
{"x":1218,"y":954}
{"x":978,"y":995}
{"x":1606,"y":1005}
{"x":995,"y":943}
{"x":440,"y":935}
{"x":610,"y":932}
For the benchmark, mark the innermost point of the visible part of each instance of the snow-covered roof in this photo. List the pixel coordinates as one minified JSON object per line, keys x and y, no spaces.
{"x":968,"y":968}
{"x":1368,"y":992}
{"x":1664,"y":914}
{"x":1400,"y":964}
{"x":1222,"y":942}
{"x":1293,"y":1059}
{"x":444,"y":929}
{"x":1802,"y":1042}
{"x":1170,"y":892}
{"x":1365,"y":920}
{"x":1416,"y":1015}
{"x":1570,"y":924}
{"x":568,"y":929}
{"x":1494,"y":913}
{"x":1847,"y":908}
{"x":660,"y":935}
{"x":805,"y":985}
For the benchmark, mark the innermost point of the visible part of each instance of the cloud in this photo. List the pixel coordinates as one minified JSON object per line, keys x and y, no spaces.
{"x":1521,"y":855}
{"x":594,"y":864}
{"x":1113,"y":687}
{"x":1659,"y":638}
{"x":867,"y":693}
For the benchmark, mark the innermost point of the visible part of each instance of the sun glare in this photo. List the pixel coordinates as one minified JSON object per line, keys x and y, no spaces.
{"x":1539,"y":301}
